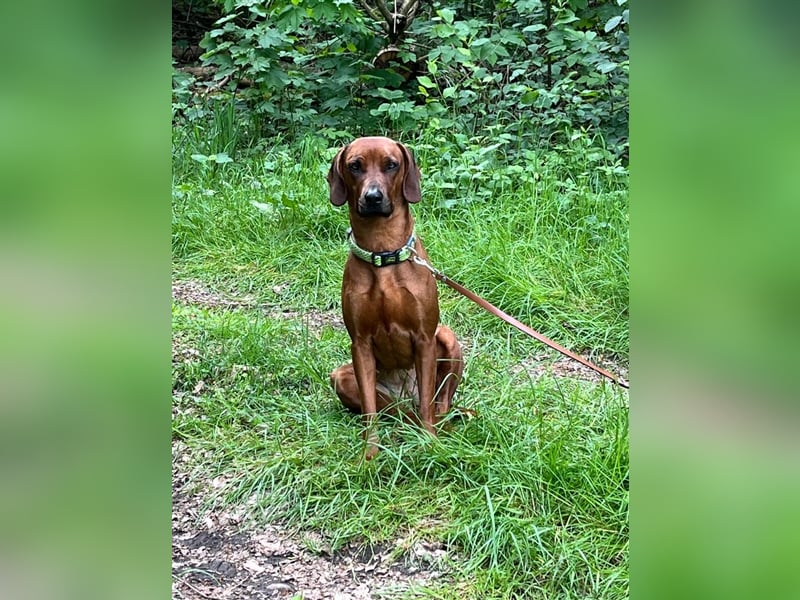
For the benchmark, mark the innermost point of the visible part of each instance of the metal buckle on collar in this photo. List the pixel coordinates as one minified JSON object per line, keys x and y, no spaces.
{"x":384,"y":259}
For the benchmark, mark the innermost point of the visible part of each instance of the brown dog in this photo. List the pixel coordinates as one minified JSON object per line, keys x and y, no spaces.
{"x":390,"y":303}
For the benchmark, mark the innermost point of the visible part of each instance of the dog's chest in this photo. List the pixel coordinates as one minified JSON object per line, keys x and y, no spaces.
{"x":391,"y":311}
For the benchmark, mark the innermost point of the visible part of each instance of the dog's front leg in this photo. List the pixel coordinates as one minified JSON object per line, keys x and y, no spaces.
{"x":425,"y":364}
{"x":365,"y":371}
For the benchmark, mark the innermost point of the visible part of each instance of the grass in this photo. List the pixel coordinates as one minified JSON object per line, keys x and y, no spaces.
{"x":530,"y":497}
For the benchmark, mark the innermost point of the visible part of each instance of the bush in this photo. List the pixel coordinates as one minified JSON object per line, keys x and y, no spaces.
{"x":533,"y":68}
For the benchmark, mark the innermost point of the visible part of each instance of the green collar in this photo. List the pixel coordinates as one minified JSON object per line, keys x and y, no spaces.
{"x":382,"y":259}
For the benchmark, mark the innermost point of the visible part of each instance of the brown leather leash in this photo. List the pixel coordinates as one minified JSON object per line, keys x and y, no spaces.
{"x":512,"y":321}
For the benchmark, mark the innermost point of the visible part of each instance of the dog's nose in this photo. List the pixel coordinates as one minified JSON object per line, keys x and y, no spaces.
{"x":373,"y":195}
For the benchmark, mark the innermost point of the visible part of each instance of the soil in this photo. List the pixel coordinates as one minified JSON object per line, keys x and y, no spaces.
{"x":192,"y":292}
{"x":190,"y":22}
{"x":220,"y":553}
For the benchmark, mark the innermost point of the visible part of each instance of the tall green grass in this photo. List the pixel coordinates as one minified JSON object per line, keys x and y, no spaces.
{"x":545,"y":240}
{"x":530,"y":496}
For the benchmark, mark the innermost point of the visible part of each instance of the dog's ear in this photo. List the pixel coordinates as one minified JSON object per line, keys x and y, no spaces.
{"x":411,"y":190}
{"x":336,"y":185}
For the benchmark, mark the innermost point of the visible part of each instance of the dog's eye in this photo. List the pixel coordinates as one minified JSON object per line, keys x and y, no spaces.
{"x":354,"y":167}
{"x":391,"y":165}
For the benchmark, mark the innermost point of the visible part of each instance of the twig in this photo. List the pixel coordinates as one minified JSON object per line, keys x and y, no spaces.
{"x":217,"y":86}
{"x":194,"y":589}
{"x":411,"y":12}
{"x":373,"y":13}
{"x":240,"y":584}
{"x":385,"y":12}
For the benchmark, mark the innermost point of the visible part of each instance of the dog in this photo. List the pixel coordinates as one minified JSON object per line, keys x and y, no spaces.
{"x":390,"y":303}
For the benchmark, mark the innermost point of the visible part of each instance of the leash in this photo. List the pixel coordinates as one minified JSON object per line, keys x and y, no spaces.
{"x":512,"y":321}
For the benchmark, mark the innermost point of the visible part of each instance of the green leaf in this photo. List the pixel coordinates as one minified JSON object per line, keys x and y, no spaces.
{"x":335,"y":103}
{"x":606,"y":66}
{"x":612,"y":23}
{"x":529,"y":97}
{"x":290,"y":17}
{"x":388,"y":94}
{"x":533,"y":28}
{"x":426,"y":82}
{"x":225,"y":19}
{"x":221,"y":158}
{"x":201,"y":158}
{"x":267,"y":209}
{"x":270,"y":38}
{"x":447,"y":15}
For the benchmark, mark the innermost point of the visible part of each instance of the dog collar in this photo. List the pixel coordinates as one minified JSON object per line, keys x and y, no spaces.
{"x":382,"y":259}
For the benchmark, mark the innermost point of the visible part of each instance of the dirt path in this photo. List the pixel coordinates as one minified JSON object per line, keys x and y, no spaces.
{"x":219,"y":554}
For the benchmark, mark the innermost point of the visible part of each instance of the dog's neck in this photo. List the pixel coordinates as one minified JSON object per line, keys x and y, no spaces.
{"x":382,"y":234}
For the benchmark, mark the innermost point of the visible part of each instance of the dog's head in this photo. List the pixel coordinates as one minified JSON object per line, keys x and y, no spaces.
{"x":374,"y":175}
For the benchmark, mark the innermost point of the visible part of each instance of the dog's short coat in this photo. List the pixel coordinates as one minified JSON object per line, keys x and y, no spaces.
{"x":398,"y":347}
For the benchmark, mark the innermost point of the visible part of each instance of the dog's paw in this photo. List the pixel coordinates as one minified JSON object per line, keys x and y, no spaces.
{"x":371,"y":451}
{"x":371,"y":447}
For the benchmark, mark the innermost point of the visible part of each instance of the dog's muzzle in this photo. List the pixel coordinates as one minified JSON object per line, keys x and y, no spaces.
{"x":374,"y":203}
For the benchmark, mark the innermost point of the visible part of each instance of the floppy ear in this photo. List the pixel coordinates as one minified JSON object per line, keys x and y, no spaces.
{"x":411,"y":191}
{"x":336,"y":185}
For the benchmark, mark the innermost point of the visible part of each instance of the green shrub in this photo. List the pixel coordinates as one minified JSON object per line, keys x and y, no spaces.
{"x":535,"y":68}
